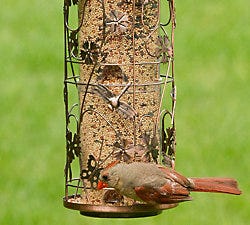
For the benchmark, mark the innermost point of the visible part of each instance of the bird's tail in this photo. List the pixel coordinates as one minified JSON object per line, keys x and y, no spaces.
{"x":220,"y":185}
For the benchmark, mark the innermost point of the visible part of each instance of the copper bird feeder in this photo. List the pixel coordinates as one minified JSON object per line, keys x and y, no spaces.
{"x":120,"y":97}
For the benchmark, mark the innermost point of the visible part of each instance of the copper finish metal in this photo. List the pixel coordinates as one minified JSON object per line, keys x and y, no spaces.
{"x":137,"y":210}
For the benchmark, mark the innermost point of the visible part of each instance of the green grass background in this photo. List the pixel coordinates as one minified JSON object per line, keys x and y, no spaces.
{"x":212,"y":76}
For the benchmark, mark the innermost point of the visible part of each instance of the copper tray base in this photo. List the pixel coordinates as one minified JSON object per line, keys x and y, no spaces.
{"x":138,"y":210}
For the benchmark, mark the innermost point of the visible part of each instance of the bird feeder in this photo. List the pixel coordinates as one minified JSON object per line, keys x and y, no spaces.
{"x":120,"y":97}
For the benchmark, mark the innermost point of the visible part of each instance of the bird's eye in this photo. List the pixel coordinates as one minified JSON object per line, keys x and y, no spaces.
{"x":105,"y":177}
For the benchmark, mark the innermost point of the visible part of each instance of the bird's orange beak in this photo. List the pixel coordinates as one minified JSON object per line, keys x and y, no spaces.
{"x":101,"y":185}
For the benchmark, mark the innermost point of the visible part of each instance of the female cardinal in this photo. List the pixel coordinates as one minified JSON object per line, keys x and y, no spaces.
{"x":155,"y":184}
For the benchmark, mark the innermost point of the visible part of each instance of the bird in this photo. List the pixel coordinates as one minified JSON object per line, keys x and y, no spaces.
{"x":114,"y":102}
{"x":155,"y":184}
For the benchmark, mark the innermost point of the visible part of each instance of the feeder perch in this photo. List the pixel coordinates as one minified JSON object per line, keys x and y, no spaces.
{"x":120,"y":96}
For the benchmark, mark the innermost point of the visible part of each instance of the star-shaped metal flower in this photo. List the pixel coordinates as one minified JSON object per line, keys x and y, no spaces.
{"x":89,"y":52}
{"x":117,"y":21}
{"x":164,"y":48}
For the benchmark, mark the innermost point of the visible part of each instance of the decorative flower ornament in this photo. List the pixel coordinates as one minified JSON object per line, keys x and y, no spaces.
{"x":164,"y":48}
{"x":118,"y":22}
{"x":89,"y":52}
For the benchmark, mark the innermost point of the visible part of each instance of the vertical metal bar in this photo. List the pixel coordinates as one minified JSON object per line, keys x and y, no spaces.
{"x":65,"y":94}
{"x":134,"y":78}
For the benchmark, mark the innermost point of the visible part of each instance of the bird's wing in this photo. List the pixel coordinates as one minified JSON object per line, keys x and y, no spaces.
{"x":104,"y":92}
{"x":175,"y":176}
{"x":163,"y":195}
{"x":126,"y":110}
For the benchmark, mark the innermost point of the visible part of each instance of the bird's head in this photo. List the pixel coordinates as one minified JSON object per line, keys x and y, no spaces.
{"x":108,"y":177}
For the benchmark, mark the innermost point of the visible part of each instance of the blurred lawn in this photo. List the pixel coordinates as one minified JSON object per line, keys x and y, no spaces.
{"x":212,"y":70}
